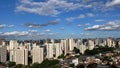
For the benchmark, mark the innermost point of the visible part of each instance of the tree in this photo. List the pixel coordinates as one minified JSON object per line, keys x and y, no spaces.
{"x":48,"y":63}
{"x":19,"y":66}
{"x":98,"y":50}
{"x":35,"y":65}
{"x":55,"y":66}
{"x":72,"y":65}
{"x":10,"y":64}
{"x":76,"y":50}
{"x":93,"y":65}
{"x":61,"y":56}
{"x":80,"y":66}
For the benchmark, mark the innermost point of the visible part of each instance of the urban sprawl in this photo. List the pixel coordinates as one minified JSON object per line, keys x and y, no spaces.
{"x":60,"y":53}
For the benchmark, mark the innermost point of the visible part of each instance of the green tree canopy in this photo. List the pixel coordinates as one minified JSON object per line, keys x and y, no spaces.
{"x":10,"y":64}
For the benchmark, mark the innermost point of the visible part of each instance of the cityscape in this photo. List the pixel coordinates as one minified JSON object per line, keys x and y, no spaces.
{"x":60,"y":34}
{"x":61,"y":53}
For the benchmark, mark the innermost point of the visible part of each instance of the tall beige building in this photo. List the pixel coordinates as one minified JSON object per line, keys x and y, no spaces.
{"x":82,"y":48}
{"x":65,"y":47}
{"x":12,"y":46}
{"x":49,"y":47}
{"x":91,"y":44}
{"x":68,"y":45}
{"x":21,"y":56}
{"x":37,"y":54}
{"x":58,"y":49}
{"x":3,"y":53}
{"x":109,"y":42}
{"x":71,"y":44}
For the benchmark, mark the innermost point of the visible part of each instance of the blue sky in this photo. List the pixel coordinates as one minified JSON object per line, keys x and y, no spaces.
{"x":39,"y":19}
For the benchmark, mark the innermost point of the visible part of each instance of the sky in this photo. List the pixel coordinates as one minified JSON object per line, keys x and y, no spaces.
{"x":59,"y":19}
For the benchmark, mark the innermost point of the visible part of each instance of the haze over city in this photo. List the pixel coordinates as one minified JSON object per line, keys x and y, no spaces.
{"x":59,"y":19}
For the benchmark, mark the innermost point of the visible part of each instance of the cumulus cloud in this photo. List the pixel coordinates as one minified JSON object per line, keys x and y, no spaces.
{"x":113,"y":3}
{"x":34,"y":25}
{"x":95,"y":27}
{"x":5,"y":26}
{"x":55,"y":7}
{"x":99,"y":20}
{"x":41,"y":34}
{"x":81,"y":16}
{"x":80,"y":25}
{"x":90,"y":14}
{"x":2,"y":25}
{"x":10,"y":26}
{"x":47,"y":30}
{"x":49,"y":7}
{"x":15,"y":33}
{"x":111,"y":25}
{"x":33,"y":31}
{"x":70,"y":19}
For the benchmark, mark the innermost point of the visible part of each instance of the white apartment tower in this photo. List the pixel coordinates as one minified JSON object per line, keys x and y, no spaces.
{"x":37,"y":54}
{"x":12,"y":46}
{"x":109,"y":42}
{"x":71,"y":44}
{"x":21,"y":56}
{"x":3,"y":53}
{"x":58,"y":49}
{"x":82,"y":48}
{"x":65,"y":47}
{"x":49,"y":48}
{"x":91,"y":44}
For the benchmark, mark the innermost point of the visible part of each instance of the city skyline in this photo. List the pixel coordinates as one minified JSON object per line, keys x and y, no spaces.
{"x":59,"y":19}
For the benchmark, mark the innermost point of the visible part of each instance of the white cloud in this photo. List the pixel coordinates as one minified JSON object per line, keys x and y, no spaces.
{"x":41,"y":34}
{"x":10,"y":26}
{"x":70,"y":19}
{"x":47,"y":30}
{"x":2,"y":25}
{"x":113,"y":3}
{"x":87,"y":24}
{"x":32,"y":31}
{"x":15,"y":33}
{"x":111,"y":25}
{"x":55,"y":7}
{"x":90,"y":15}
{"x":81,"y":16}
{"x":99,"y":20}
{"x":80,"y":25}
{"x":49,"y":7}
{"x":95,"y":27}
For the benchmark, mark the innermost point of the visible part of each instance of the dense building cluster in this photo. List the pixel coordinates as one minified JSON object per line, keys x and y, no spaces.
{"x":20,"y":51}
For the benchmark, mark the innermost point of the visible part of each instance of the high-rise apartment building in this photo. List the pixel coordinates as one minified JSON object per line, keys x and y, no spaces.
{"x":12,"y":46}
{"x":21,"y":56}
{"x":91,"y":44}
{"x":37,"y":54}
{"x":58,"y":49}
{"x":109,"y":42}
{"x":49,"y":47}
{"x":71,"y":44}
{"x":82,"y":48}
{"x":65,"y":47}
{"x":3,"y":53}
